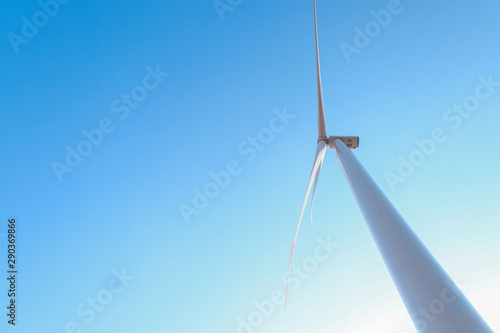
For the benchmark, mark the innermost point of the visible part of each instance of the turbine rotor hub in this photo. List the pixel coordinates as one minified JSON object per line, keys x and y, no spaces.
{"x":324,"y":138}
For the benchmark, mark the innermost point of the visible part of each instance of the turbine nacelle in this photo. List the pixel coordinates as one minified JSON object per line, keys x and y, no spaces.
{"x":351,"y":142}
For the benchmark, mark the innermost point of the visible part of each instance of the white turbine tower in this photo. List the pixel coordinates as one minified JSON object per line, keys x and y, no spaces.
{"x":433,"y":301}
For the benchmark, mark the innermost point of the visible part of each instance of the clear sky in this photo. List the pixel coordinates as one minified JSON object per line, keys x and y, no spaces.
{"x":116,"y":115}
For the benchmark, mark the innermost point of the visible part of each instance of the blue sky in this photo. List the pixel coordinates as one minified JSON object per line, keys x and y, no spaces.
{"x":171,"y":93}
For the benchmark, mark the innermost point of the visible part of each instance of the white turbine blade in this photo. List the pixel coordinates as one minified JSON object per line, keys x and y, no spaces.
{"x":315,"y":182}
{"x":318,"y":160}
{"x":321,"y":108}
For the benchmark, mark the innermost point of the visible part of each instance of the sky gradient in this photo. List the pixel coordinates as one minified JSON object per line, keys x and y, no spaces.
{"x":117,"y":114}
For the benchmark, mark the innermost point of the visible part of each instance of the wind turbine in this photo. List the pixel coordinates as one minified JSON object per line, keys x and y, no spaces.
{"x":433,"y":301}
